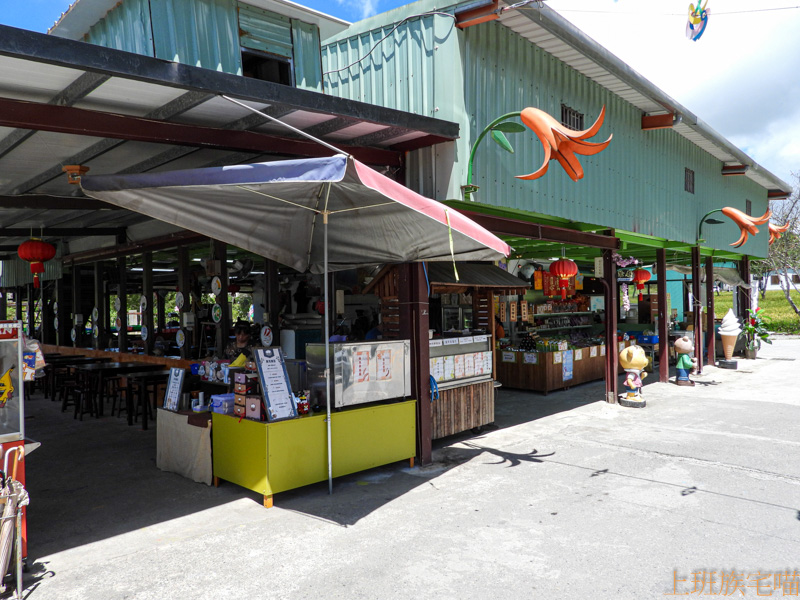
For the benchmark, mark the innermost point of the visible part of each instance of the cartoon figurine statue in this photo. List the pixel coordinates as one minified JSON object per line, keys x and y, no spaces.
{"x":684,"y":348}
{"x":633,"y":359}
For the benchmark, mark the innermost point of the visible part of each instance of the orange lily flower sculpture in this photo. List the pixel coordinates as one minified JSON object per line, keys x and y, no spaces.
{"x":562,"y":143}
{"x":776,"y":232}
{"x":746,"y":223}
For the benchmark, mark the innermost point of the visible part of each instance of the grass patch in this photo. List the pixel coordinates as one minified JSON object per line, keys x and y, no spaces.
{"x":778,"y":315}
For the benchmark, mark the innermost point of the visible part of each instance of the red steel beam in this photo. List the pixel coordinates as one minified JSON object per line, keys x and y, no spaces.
{"x":534,"y":231}
{"x":78,"y":121}
{"x":650,"y":122}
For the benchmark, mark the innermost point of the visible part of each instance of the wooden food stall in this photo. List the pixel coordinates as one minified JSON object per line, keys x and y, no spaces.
{"x":461,"y":302}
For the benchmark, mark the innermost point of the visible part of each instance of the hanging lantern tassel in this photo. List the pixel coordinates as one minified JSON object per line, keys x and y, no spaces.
{"x":564,"y":269}
{"x":36,"y":252}
{"x":640,"y":277}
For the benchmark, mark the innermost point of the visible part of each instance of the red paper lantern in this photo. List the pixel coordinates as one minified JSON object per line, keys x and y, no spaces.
{"x":564,"y":269}
{"x":36,"y":252}
{"x":233,"y":288}
{"x":640,"y":277}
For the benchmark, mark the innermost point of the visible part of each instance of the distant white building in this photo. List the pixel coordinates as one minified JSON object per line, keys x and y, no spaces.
{"x":772,"y":280}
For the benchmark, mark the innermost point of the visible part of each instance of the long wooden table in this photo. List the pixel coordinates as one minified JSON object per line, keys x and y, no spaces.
{"x":97,"y":373}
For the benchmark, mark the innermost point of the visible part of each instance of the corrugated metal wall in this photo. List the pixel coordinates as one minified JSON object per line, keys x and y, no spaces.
{"x":636,"y":184}
{"x":307,"y":58}
{"x":206,"y":33}
{"x":126,"y":27}
{"x":17,"y":272}
{"x":203,"y":33}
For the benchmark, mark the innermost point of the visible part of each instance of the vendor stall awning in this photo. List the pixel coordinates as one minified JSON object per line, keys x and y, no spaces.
{"x":278,"y":209}
{"x":476,"y":275}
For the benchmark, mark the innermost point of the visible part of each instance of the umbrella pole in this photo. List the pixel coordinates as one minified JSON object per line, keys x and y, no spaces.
{"x":327,"y":350}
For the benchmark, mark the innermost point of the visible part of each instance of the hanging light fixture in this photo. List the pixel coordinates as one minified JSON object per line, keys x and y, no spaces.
{"x":36,"y":252}
{"x":640,"y":277}
{"x":564,"y":269}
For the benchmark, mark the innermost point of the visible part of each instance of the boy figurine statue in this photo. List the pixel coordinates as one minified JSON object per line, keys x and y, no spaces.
{"x":684,"y":348}
{"x":633,"y":359}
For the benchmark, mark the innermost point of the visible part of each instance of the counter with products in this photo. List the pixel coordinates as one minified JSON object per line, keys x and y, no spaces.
{"x":269,"y":438}
{"x":461,"y":368}
{"x":552,"y":366}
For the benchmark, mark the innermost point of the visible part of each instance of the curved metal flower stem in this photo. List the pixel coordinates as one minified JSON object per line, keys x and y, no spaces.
{"x":700,"y":226}
{"x":468,"y":189}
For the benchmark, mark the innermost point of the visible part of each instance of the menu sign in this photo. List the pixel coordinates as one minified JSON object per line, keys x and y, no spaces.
{"x":174,"y":387}
{"x":384,"y":359}
{"x":275,"y":384}
{"x":361,"y":367}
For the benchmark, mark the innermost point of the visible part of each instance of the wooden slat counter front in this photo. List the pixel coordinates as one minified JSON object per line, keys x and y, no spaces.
{"x":545,"y":372}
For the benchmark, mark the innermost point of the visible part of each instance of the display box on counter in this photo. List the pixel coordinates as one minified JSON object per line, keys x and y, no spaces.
{"x":223,"y":404}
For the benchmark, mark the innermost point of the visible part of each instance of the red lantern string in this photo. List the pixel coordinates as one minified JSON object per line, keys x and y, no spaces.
{"x":36,"y":252}
{"x":640,"y":277}
{"x":564,"y":269}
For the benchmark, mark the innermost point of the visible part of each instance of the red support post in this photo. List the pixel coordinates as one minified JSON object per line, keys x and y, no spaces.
{"x":712,"y":347}
{"x":697,"y":309}
{"x":663,"y":316}
{"x":414,"y":324}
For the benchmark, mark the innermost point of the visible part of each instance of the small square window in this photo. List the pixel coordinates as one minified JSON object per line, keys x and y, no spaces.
{"x":571,"y":118}
{"x":688,"y":180}
{"x":795,"y":278}
{"x":748,"y":207}
{"x":774,"y":279}
{"x":267,"y":67}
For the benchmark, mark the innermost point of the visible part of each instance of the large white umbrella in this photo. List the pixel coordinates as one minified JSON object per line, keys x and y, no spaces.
{"x":317,"y":215}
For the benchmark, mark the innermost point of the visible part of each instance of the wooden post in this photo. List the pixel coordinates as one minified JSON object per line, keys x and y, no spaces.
{"x":122,"y":294}
{"x":414,"y":324}
{"x":183,"y":288}
{"x":224,"y":325}
{"x":162,"y":312}
{"x":97,"y":342}
{"x":663,"y":316}
{"x":711,"y":344}
{"x":612,"y":310}
{"x":76,"y":305}
{"x":147,"y":292}
{"x":697,"y":309}
{"x":272,"y":296}
{"x":743,"y":295}
{"x":61,"y":312}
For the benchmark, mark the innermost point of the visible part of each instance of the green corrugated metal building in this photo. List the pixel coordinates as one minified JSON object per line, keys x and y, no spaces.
{"x":637,"y":186}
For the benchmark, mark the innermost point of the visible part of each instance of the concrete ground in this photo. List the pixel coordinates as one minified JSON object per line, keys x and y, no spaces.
{"x":566,"y":497}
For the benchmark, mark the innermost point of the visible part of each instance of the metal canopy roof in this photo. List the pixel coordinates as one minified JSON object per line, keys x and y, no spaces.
{"x":64,"y":102}
{"x":550,"y":31}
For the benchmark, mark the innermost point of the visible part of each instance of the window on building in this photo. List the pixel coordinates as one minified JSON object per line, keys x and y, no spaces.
{"x":571,"y":117}
{"x":795,"y":278}
{"x":774,"y":279}
{"x":688,"y":181}
{"x":748,"y":207}
{"x":266,"y":67}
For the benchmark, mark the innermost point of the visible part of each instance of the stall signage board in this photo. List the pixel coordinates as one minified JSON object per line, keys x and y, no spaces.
{"x":512,"y":310}
{"x":509,"y":357}
{"x":384,"y":360}
{"x":592,"y":351}
{"x":566,"y":369}
{"x":449,"y":368}
{"x":459,"y":366}
{"x":361,"y":367}
{"x":602,"y":350}
{"x":557,"y":358}
{"x":450,"y":341}
{"x":437,"y":368}
{"x":550,"y":286}
{"x":503,"y":311}
{"x":435,"y":343}
{"x":469,"y":365}
{"x":275,"y":385}
{"x":12,"y":426}
{"x":579,"y":354}
{"x":530,"y":358}
{"x":466,"y":340}
{"x":481,"y":338}
{"x":174,"y":388}
{"x":487,"y":363}
{"x":523,"y":310}
{"x":477,"y":361}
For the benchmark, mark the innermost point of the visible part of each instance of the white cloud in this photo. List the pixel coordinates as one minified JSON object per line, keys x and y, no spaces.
{"x":360,"y":9}
{"x":741,"y":77}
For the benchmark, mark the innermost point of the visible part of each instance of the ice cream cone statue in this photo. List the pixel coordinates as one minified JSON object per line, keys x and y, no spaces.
{"x":684,"y":348}
{"x":729,"y":332}
{"x":633,"y":359}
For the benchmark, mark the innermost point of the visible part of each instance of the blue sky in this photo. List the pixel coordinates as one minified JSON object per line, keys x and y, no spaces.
{"x":742,"y":77}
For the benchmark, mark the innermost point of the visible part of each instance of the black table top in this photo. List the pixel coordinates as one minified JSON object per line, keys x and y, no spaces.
{"x":120,"y":367}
